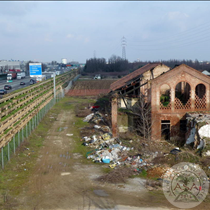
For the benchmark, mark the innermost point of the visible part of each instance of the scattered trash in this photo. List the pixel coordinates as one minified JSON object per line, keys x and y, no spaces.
{"x":109,"y":150}
{"x":97,"y":126}
{"x":175,"y":151}
{"x":65,"y":173}
{"x":207,"y":153}
{"x":106,"y":159}
{"x":88,"y":118}
{"x":106,"y":136}
{"x":60,"y":129}
{"x":69,"y":134}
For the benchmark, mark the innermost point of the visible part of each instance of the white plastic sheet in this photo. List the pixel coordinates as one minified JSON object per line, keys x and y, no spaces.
{"x":204,"y":131}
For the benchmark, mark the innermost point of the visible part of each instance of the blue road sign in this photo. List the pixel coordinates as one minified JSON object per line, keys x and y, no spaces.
{"x":35,"y":69}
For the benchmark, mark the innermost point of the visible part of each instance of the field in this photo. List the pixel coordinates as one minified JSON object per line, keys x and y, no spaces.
{"x":90,"y":87}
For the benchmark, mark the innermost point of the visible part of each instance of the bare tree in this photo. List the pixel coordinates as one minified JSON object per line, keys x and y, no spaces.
{"x":141,"y":112}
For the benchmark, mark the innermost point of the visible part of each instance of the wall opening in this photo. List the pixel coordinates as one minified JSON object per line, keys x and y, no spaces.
{"x":200,"y":96}
{"x":165,"y":96}
{"x":200,"y":90}
{"x":182,"y":96}
{"x":183,"y":125}
{"x":165,"y":129}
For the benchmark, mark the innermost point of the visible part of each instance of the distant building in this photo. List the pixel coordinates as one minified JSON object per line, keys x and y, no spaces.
{"x":6,"y":65}
{"x":64,"y":61}
{"x":206,"y":72}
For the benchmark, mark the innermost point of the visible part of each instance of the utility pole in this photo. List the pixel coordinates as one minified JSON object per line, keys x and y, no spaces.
{"x":123,"y":43}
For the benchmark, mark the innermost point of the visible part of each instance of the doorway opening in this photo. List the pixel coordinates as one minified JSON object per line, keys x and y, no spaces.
{"x":165,"y":129}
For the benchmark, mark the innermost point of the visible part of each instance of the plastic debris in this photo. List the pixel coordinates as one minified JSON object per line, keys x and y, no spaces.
{"x":106,"y":136}
{"x":106,"y":159}
{"x":88,"y":118}
{"x":65,"y":173}
{"x":109,"y":150}
{"x":97,"y":126}
{"x":175,"y":151}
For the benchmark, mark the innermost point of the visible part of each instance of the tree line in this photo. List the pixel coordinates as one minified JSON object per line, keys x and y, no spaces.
{"x":114,"y":64}
{"x":117,"y":64}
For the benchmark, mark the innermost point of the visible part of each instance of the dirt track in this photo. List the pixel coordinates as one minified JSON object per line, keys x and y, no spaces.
{"x":62,"y":181}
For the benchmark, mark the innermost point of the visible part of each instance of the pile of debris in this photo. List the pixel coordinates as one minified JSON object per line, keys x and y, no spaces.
{"x":198,"y":131}
{"x":107,"y":149}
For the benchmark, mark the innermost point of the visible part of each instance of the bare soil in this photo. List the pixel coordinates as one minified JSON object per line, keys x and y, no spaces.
{"x":63,"y":179}
{"x":92,"y":84}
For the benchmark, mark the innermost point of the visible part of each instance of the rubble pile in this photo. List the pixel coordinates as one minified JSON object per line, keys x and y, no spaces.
{"x":107,"y":149}
{"x":198,"y":131}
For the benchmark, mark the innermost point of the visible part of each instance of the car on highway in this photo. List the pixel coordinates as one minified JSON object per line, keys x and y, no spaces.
{"x":2,"y":92}
{"x":32,"y":81}
{"x":97,"y":76}
{"x":22,"y":83}
{"x":7,"y":87}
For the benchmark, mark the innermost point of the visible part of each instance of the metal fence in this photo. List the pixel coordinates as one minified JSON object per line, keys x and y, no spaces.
{"x":10,"y":149}
{"x":71,"y":83}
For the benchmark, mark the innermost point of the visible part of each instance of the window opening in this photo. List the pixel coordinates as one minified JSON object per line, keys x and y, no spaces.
{"x":165,"y":97}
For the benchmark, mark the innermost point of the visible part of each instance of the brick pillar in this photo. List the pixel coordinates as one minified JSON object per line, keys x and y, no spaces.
{"x":114,"y":117}
{"x":172,"y":99}
{"x":192,"y":95}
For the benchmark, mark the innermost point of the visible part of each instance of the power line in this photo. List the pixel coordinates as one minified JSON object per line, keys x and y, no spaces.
{"x":174,"y":46}
{"x":123,"y":40}
{"x":178,"y":35}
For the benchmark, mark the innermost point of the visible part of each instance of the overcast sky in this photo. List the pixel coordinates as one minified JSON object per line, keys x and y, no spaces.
{"x":80,"y":30}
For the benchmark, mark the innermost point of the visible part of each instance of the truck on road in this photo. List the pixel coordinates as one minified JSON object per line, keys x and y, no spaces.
{"x":21,"y":75}
{"x":11,"y":75}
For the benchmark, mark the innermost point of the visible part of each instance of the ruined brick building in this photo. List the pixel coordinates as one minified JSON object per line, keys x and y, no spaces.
{"x":171,"y":93}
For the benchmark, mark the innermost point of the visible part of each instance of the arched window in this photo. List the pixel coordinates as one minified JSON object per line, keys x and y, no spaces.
{"x":182,"y":96}
{"x":165,"y":99}
{"x":200,"y":96}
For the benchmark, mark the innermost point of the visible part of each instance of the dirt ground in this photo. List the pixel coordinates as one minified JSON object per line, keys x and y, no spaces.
{"x":63,"y":180}
{"x":92,"y":84}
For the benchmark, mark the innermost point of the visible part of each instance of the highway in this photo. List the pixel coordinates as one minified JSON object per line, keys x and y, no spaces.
{"x":16,"y":83}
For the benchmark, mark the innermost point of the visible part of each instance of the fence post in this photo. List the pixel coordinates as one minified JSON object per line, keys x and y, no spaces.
{"x":18,"y":138}
{"x":29,"y":127}
{"x":32,"y":124}
{"x":14,"y":143}
{"x":22,"y":135}
{"x":38,"y":116}
{"x":8,"y":151}
{"x":26,"y":130}
{"x":2,"y":158}
{"x":35,"y":121}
